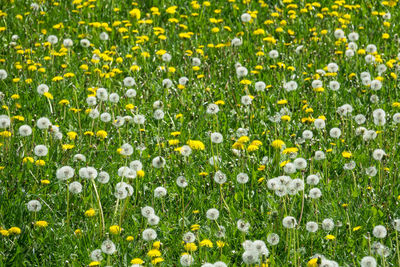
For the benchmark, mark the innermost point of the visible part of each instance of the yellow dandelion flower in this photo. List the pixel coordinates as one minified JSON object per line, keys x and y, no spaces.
{"x":41,"y":224}
{"x":14,"y":230}
{"x":137,"y":261}
{"x":220,"y":243}
{"x":72,"y":135}
{"x":90,"y":213}
{"x":115,"y":229}
{"x":195,"y":227}
{"x":154,"y":253}
{"x":277,"y":144}
{"x":190,"y":247}
{"x":206,"y":243}
{"x":157,"y":260}
{"x":346,"y":154}
{"x":101,"y":134}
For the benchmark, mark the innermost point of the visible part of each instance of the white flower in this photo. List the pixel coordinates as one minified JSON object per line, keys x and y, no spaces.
{"x":319,"y":123}
{"x":369,"y":59}
{"x":261,"y":248}
{"x":167,"y":83}
{"x":371,"y":48}
{"x":136,"y":165}
{"x":186,"y":260}
{"x":108,"y":247}
{"x":335,"y":132}
{"x":349,"y":53}
{"x":241,"y":71}
{"x":312,"y":179}
{"x":353,"y":36}
{"x":250,"y":257}
{"x":212,"y":109}
{"x":315,"y":193}
{"x":158,"y":162}
{"x":139,"y":119}
{"x":42,"y":88}
{"x":160,"y":192}
{"x":334,"y":85}
{"x":153,"y":219}
{"x":114,"y":98}
{"x":236,"y":42}
{"x":375,"y":85}
{"x":95,"y":255}
{"x":75,"y":187}
{"x":273,"y":54}
{"x":243,"y":226}
{"x":4,"y":121}
{"x":65,"y":172}
{"x":105,"y":117}
{"x":353,"y":46}
{"x":68,"y":43}
{"x":379,"y":231}
{"x":158,"y":114}
{"x":339,"y":33}
{"x":43,"y":123}
{"x":300,"y":163}
{"x":181,"y":181}
{"x":396,"y":224}
{"x":289,"y":168}
{"x":220,"y":177}
{"x":127,"y":172}
{"x":129,"y":82}
{"x":102,"y":94}
{"x":185,"y":151}
{"x":290,"y":86}
{"x":245,"y":17}
{"x":40,"y":150}
{"x":216,"y":138}
{"x":260,"y":86}
{"x":273,"y":239}
{"x":333,"y":67}
{"x":378,"y":154}
{"x":147,"y":211}
{"x":34,"y":206}
{"x":126,"y":150}
{"x":3,"y":74}
{"x":311,"y":227}
{"x":196,"y":61}
{"x":189,"y":237}
{"x":289,"y":222}
{"x":24,"y":130}
{"x":319,"y":155}
{"x":103,"y":177}
{"x":218,"y":264}
{"x":84,"y":43}
{"x":368,"y":261}
{"x":166,"y":57}
{"x":212,"y":214}
{"x":52,"y":39}
{"x":328,"y":224}
{"x":242,"y":178}
{"x":246,"y":100}
{"x":104,"y":36}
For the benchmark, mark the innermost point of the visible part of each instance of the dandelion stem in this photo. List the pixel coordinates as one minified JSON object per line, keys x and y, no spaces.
{"x":397,"y":247}
{"x":67,"y":204}
{"x":100,"y":208}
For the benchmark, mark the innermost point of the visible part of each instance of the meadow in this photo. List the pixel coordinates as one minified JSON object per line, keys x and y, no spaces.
{"x":199,"y":133}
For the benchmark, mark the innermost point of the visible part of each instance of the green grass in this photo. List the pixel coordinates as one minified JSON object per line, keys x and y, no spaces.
{"x":369,"y":201}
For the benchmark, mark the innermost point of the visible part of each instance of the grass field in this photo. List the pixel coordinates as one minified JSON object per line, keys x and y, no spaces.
{"x":199,"y":133}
